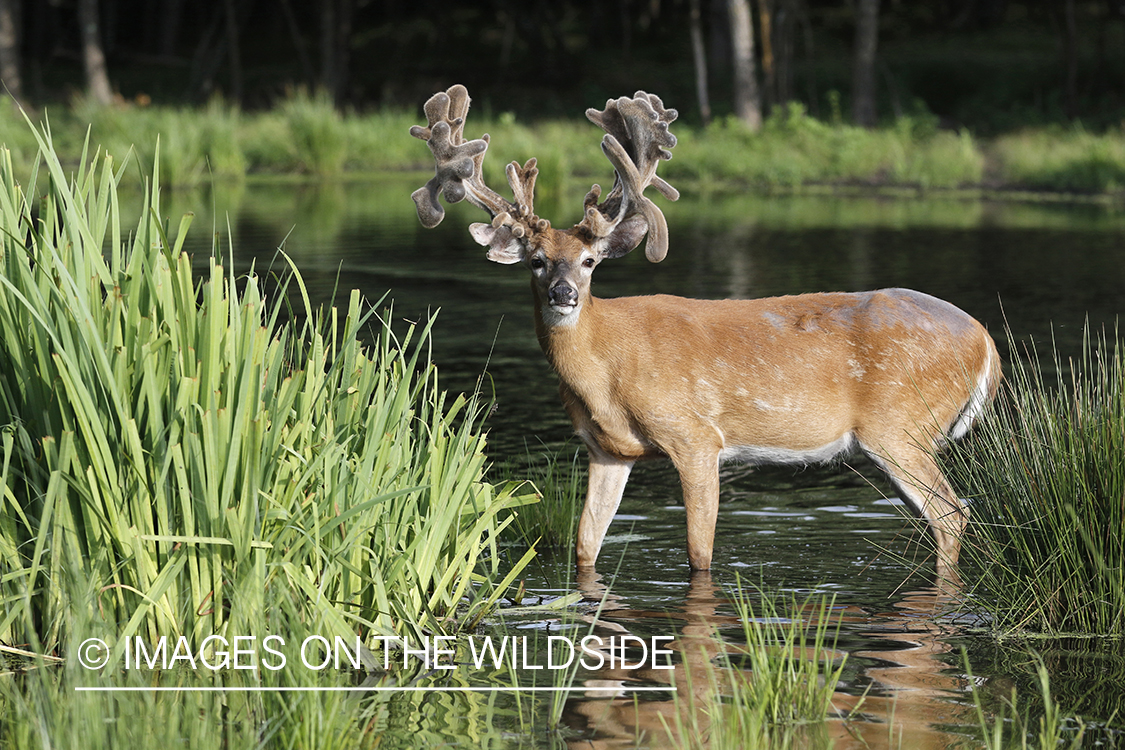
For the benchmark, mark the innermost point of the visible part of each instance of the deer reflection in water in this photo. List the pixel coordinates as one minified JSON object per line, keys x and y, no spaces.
{"x":912,"y":693}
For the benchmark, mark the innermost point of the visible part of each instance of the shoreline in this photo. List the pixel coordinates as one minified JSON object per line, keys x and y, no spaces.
{"x":305,"y":140}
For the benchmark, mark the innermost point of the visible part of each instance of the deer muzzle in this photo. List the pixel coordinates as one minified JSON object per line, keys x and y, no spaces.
{"x":562,"y":295}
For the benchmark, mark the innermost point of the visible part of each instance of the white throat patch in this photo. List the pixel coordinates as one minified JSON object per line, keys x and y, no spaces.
{"x":558,"y":318}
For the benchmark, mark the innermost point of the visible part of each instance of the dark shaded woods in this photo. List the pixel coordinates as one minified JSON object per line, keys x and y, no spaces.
{"x":861,"y":60}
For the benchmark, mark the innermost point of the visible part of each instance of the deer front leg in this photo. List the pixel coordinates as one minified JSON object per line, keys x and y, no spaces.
{"x":608,"y":476}
{"x":699,"y":477}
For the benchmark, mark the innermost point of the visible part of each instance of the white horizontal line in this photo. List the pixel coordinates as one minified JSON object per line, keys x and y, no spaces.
{"x":212,"y":689}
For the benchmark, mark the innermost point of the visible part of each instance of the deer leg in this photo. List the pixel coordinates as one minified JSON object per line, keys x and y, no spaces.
{"x":699,"y":477}
{"x":608,"y":476}
{"x":922,"y":485}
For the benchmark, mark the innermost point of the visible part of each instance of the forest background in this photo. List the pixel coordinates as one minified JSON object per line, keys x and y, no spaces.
{"x":988,"y":66}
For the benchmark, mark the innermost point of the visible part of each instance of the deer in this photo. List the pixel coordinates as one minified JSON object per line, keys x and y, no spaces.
{"x":799,"y":379}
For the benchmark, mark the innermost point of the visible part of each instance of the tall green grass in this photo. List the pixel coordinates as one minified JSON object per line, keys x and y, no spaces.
{"x":560,"y":478}
{"x":1009,"y":728}
{"x":777,"y":691}
{"x":1046,"y":471}
{"x":185,"y":455}
{"x":317,"y":133}
{"x":42,"y":710}
{"x":793,"y":149}
{"x":193,"y":147}
{"x":304,"y":134}
{"x":1058,"y":159}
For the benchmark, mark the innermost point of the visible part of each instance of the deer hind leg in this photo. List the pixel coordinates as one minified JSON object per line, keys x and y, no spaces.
{"x":699,"y":477}
{"x":916,"y":475}
{"x":608,"y":476}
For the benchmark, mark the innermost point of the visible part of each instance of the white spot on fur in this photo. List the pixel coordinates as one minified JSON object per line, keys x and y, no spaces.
{"x":561,"y":317}
{"x":774,"y":319}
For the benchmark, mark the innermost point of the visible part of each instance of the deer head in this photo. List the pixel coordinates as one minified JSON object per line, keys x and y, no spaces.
{"x":636,"y":140}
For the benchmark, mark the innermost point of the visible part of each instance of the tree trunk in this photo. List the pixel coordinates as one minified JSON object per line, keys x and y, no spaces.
{"x":747,"y":100}
{"x":626,"y":30}
{"x":328,"y":46}
{"x":784,"y":48}
{"x":769,"y":71}
{"x":298,"y":44}
{"x":233,"y":52}
{"x":10,"y":48}
{"x":699,"y":58}
{"x":343,"y":50}
{"x":171,"y":14}
{"x":863,"y":78}
{"x":812,"y":93}
{"x":1070,"y":49}
{"x":93,"y":58}
{"x":335,"y":40}
{"x":210,"y":53}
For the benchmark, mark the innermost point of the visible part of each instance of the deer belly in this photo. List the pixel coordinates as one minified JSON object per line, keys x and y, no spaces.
{"x":778,"y":426}
{"x":779,"y":454}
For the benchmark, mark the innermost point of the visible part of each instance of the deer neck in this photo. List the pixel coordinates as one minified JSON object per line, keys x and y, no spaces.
{"x":589,"y":365}
{"x":568,"y":344}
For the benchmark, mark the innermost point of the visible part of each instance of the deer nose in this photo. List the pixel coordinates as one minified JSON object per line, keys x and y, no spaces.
{"x":562,"y":295}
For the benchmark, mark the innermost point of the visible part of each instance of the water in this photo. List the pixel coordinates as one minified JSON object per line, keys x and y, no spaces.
{"x":1044,"y":269}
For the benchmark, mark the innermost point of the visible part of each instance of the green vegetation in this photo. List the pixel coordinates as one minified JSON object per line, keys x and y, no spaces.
{"x":182,"y":457}
{"x":775,"y":692}
{"x":560,"y":477}
{"x":791,"y":658}
{"x":182,"y":452}
{"x":306,"y":135}
{"x":794,"y":149}
{"x":1009,"y":728}
{"x":778,"y":690}
{"x":1046,"y":470}
{"x":41,"y":709}
{"x":1062,"y":159}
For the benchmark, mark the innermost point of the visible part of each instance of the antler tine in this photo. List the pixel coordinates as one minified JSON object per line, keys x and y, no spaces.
{"x":633,"y":200}
{"x":637,"y":139}
{"x":522,"y":182}
{"x":459,"y":169}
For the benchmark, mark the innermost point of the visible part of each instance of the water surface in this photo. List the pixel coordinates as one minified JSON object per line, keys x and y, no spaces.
{"x":1042,"y":269}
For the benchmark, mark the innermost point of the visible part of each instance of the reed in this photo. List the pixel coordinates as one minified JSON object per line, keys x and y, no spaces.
{"x":1009,"y":728}
{"x":1046,"y":473}
{"x":42,"y":709}
{"x":560,"y":477}
{"x":181,"y":454}
{"x":775,"y":692}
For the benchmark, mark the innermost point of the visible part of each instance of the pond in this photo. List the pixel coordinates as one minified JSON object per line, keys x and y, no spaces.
{"x":1042,"y":269}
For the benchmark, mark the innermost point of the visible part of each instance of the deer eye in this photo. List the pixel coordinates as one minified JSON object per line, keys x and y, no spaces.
{"x":536,"y":263}
{"x":589,"y":263}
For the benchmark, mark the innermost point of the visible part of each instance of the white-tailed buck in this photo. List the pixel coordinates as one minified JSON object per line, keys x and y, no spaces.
{"x":797,"y":379}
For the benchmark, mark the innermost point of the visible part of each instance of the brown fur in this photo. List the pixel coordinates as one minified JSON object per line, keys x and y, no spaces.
{"x":797,"y":378}
{"x":791,"y":379}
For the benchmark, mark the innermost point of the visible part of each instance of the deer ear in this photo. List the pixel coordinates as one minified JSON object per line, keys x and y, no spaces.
{"x":626,"y":236}
{"x":503,"y":246}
